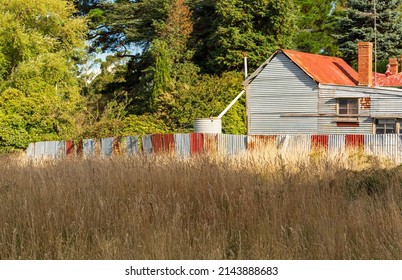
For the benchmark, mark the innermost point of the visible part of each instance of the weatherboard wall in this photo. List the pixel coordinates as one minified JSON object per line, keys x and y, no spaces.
{"x":279,"y":97}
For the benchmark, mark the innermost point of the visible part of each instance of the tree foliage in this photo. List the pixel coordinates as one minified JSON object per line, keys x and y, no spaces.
{"x":39,"y":93}
{"x":170,"y":62}
{"x":356,"y":23}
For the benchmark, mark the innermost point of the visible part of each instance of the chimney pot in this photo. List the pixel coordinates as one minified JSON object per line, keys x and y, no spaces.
{"x":365,"y":63}
{"x":393,"y":65}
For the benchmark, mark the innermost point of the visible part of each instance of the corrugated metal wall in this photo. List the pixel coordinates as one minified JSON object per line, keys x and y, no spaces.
{"x":186,"y":145}
{"x":327,"y":106}
{"x":282,"y":88}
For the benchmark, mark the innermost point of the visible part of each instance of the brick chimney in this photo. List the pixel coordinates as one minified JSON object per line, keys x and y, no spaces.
{"x":365,"y":63}
{"x":393,"y":65}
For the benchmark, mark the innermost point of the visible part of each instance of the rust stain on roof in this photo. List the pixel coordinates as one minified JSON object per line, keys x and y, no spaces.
{"x":383,"y":80}
{"x":324,"y":69}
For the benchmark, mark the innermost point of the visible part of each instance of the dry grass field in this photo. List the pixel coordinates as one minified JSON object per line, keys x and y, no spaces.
{"x":255,"y":206}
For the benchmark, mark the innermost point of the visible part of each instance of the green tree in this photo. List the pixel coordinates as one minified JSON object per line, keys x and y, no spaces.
{"x":316,"y":26}
{"x":235,"y":26}
{"x":356,"y":23}
{"x":39,"y":92}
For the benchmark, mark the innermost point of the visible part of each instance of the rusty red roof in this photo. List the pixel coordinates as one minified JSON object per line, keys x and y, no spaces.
{"x":324,"y":69}
{"x":383,"y":80}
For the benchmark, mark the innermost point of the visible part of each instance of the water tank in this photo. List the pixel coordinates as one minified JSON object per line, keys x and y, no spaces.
{"x":211,"y":125}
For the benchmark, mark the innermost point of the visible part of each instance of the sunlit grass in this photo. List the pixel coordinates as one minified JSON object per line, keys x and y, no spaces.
{"x":260,"y":205}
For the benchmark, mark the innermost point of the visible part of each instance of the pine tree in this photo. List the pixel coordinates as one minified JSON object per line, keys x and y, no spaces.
{"x":356,"y":23}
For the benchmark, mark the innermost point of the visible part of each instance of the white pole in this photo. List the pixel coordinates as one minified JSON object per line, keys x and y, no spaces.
{"x":231,"y":104}
{"x":245,"y":65}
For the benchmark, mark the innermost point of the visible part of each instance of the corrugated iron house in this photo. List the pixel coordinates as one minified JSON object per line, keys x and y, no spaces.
{"x":302,"y":93}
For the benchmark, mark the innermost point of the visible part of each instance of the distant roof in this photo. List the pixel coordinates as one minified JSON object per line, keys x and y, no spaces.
{"x":324,"y":69}
{"x":387,"y":81}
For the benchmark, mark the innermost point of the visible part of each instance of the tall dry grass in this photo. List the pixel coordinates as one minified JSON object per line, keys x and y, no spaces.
{"x":255,"y":206}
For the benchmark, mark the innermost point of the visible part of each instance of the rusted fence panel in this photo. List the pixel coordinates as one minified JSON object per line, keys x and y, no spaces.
{"x":211,"y":143}
{"x":89,"y":148}
{"x":70,"y":149}
{"x":255,"y":142}
{"x":163,"y":143}
{"x":196,"y":143}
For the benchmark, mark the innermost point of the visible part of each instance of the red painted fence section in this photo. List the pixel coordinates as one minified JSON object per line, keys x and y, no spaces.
{"x":319,"y":142}
{"x":353,"y":141}
{"x":196,"y":143}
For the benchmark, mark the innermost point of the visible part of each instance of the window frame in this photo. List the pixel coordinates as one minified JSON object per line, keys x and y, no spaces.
{"x":396,"y":123}
{"x":348,"y":105}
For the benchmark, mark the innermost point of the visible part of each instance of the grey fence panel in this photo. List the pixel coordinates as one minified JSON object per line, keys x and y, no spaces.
{"x":30,"y":151}
{"x":182,"y":145}
{"x":384,"y":145}
{"x":294,"y":144}
{"x":147,"y":144}
{"x":106,"y":147}
{"x":39,"y":149}
{"x":60,"y":149}
{"x":89,"y":147}
{"x":130,"y":145}
{"x":336,"y":143}
{"x":51,"y":149}
{"x":232,"y":144}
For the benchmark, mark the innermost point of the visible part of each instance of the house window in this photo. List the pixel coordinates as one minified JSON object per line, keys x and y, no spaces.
{"x":386,"y":126}
{"x":348,"y":106}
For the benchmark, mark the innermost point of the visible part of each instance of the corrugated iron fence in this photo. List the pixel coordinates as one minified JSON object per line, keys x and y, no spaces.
{"x":186,"y":145}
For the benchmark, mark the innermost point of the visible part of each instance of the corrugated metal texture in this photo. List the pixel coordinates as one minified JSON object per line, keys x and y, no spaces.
{"x":157,"y":143}
{"x":384,"y":145}
{"x":39,"y":149}
{"x":328,"y":125}
{"x":211,"y":125}
{"x":336,"y":143}
{"x":130,"y":145}
{"x":255,"y":142}
{"x":50,"y":149}
{"x":325,"y":69}
{"x":147,"y":144}
{"x":182,"y":145}
{"x":211,"y":143}
{"x":30,"y":151}
{"x":89,"y":148}
{"x":386,"y":104}
{"x":266,"y":124}
{"x":70,"y":149}
{"x":163,"y":143}
{"x":294,"y":144}
{"x":117,"y":146}
{"x":79,"y":149}
{"x":327,"y":105}
{"x":354,"y":141}
{"x":319,"y":142}
{"x":106,"y":147}
{"x":196,"y":143}
{"x":232,"y":144}
{"x":282,"y":88}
